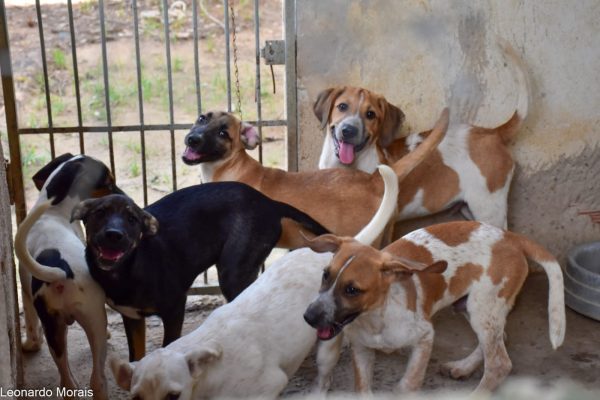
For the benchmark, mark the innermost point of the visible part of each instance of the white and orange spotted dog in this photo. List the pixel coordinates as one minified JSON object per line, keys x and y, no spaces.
{"x":384,"y":300}
{"x":472,"y":167}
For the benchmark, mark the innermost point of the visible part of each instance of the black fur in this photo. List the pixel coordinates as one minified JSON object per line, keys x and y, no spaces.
{"x":42,"y":175}
{"x":228,"y":224}
{"x":50,"y":258}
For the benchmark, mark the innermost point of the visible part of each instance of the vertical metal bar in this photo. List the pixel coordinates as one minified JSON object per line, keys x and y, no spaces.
{"x":257,"y":82}
{"x":106,"y":87}
{"x":38,"y":9}
{"x":76,"y":75}
{"x":227,"y":55}
{"x":196,"y":56}
{"x":290,"y":84}
{"x":16,"y":173}
{"x":136,"y":33}
{"x":170,"y":82}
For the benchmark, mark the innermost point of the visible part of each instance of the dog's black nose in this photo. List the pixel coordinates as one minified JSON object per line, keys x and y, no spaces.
{"x":312,"y":316}
{"x":349,"y":132}
{"x":114,"y":235}
{"x":193,"y":140}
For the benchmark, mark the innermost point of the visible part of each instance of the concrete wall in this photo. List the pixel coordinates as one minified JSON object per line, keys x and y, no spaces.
{"x":423,"y":55}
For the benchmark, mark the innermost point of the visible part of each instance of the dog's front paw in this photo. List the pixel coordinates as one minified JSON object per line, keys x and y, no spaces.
{"x":33,"y":343}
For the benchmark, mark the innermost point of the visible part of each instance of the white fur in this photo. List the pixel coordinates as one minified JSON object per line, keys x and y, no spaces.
{"x":256,"y":342}
{"x":80,"y":298}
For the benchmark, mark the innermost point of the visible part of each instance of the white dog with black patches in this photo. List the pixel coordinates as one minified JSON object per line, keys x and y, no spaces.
{"x":55,"y":279}
{"x":253,"y":345}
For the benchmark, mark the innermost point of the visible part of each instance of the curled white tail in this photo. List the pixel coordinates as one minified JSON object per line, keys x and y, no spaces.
{"x":41,"y":272}
{"x":386,"y":209}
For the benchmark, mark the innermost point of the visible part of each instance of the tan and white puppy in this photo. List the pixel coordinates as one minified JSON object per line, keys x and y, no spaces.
{"x":472,"y":166}
{"x":358,"y":125}
{"x":253,"y":345}
{"x":342,"y":200}
{"x":384,"y":300}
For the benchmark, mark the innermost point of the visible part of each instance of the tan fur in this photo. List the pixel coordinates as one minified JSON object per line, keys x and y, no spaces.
{"x":512,"y":279}
{"x":492,"y":157}
{"x":324,"y":194}
{"x":411,"y":294}
{"x":410,"y":250}
{"x":433,"y":286}
{"x":463,"y":278}
{"x":455,"y":237}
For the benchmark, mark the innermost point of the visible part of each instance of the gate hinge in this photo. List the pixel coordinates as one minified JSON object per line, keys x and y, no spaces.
{"x":9,"y":183}
{"x":273,"y":52}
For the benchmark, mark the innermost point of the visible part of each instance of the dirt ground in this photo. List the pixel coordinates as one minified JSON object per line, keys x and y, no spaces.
{"x":528,"y":346}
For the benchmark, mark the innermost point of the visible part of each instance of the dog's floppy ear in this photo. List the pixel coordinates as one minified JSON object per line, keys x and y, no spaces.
{"x":403,"y":267}
{"x":123,"y":372}
{"x":40,"y":177}
{"x":249,"y":136}
{"x":82,"y":209}
{"x":392,"y":122}
{"x":150,"y":223}
{"x":199,"y":358}
{"x":324,"y":103}
{"x":324,"y":243}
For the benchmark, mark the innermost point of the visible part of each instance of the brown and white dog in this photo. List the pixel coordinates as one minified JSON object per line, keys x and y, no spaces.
{"x":472,"y":166}
{"x":342,"y":200}
{"x":384,"y":300}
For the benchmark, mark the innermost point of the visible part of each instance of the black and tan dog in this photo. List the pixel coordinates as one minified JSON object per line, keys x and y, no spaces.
{"x":146,"y":260}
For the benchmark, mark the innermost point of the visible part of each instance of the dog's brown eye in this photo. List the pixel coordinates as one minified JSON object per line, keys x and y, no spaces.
{"x":224,"y":134}
{"x":201,"y":119}
{"x":371,"y":114}
{"x":325,"y":275}
{"x":342,"y":107}
{"x":173,"y":396}
{"x":352,"y":291}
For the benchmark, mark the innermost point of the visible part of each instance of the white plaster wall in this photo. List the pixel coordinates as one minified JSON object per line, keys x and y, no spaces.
{"x":423,"y":55}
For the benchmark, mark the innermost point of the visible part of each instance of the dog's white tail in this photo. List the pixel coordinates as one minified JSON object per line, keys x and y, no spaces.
{"x":556,"y":292}
{"x":375,"y":227}
{"x":41,"y":272}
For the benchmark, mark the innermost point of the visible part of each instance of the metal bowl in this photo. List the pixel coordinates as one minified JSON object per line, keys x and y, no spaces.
{"x":582,"y":280}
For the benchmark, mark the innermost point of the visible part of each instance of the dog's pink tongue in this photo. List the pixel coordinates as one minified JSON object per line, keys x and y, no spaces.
{"x":109,"y":254}
{"x":190,"y":154}
{"x":325,"y":333}
{"x":346,"y":153}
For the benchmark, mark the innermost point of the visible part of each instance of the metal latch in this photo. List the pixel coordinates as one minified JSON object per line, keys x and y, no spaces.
{"x":274,"y":52}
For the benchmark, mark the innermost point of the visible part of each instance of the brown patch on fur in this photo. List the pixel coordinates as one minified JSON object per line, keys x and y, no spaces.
{"x":411,"y":294}
{"x":433,"y":287}
{"x":463,"y":277}
{"x":410,"y":250}
{"x":492,"y":157}
{"x":359,"y":385}
{"x":454,"y":233}
{"x":439,"y":182}
{"x":508,"y":267}
{"x":532,"y":250}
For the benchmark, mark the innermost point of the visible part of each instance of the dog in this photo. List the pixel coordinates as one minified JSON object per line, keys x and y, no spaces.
{"x":471,"y":168}
{"x":341,"y":199}
{"x":54,"y":273}
{"x":160,"y":250}
{"x":384,"y":300}
{"x":253,"y":345}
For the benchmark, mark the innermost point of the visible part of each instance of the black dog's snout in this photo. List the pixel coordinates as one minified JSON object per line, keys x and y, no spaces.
{"x":349,"y":131}
{"x":193,"y":139}
{"x":114,"y":235}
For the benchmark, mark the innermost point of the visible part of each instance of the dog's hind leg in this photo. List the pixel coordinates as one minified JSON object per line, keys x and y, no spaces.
{"x":94,"y":326}
{"x":55,"y":329}
{"x":328,"y":355}
{"x":135,"y":330}
{"x":33,"y":329}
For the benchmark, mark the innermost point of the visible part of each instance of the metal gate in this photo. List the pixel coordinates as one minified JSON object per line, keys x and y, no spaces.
{"x":281,"y":51}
